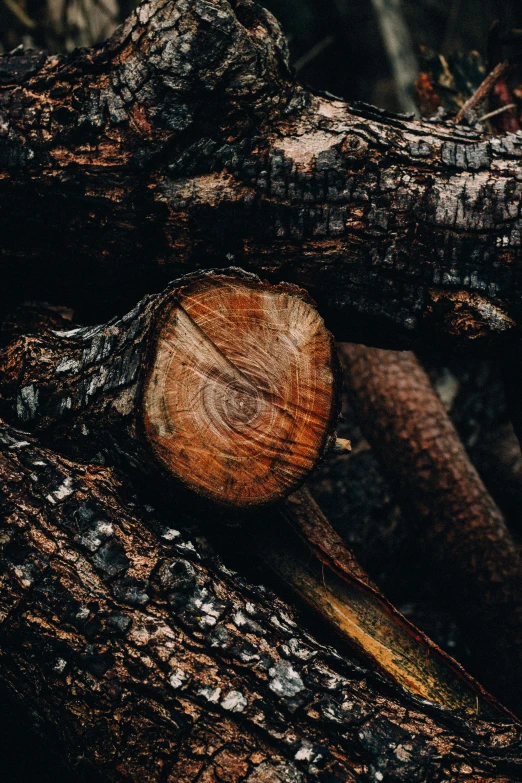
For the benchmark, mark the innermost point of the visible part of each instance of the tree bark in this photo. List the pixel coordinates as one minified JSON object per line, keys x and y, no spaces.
{"x":310,"y":559}
{"x":228,"y":330}
{"x":184,"y":142}
{"x":221,"y":382}
{"x":152,"y":661}
{"x":463,"y":538}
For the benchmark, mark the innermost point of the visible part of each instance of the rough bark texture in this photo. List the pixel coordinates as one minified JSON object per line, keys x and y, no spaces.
{"x":184,"y":142}
{"x":153,"y":661}
{"x":226,"y":384}
{"x":46,"y":366}
{"x":461,"y":531}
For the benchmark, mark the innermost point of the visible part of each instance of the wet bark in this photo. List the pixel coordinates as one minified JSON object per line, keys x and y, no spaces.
{"x":185,"y":142}
{"x":150,"y":660}
{"x":463,"y":538}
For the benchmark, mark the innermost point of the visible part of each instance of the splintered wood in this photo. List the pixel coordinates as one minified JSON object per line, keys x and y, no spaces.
{"x":240,"y":402}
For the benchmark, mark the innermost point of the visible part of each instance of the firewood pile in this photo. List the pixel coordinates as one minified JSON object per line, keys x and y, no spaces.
{"x":197,"y":250}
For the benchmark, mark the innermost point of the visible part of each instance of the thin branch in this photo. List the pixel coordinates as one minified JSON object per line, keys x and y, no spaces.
{"x":494,"y":113}
{"x":399,"y":48}
{"x":482,"y":92}
{"x":20,"y":14}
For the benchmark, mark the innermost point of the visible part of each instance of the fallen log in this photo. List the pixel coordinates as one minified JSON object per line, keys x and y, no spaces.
{"x":185,"y":142}
{"x":222,"y":382}
{"x":463,"y":539}
{"x":216,"y":341}
{"x":311,"y":559}
{"x":150,"y":660}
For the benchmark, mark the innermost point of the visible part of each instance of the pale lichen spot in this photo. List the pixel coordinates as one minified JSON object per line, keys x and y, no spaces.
{"x":210,"y":694}
{"x":170,"y":534}
{"x":178,"y":678}
{"x":234,"y":701}
{"x":63,"y":491}
{"x":285,"y":680}
{"x":59,"y":665}
{"x":27,"y":402}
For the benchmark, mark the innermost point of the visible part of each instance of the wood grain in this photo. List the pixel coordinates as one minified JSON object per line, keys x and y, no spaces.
{"x":242,"y":390}
{"x":222,"y":382}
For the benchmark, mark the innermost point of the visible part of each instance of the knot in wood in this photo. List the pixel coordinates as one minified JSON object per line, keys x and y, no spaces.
{"x":233,"y":404}
{"x":240,"y":401}
{"x":353,"y":146}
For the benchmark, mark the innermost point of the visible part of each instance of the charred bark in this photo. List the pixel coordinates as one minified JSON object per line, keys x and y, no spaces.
{"x":152,"y":661}
{"x":231,"y":333}
{"x":223,"y":383}
{"x":462,"y":535}
{"x":184,"y":141}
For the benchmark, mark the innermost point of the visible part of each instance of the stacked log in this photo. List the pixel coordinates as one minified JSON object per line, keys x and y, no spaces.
{"x":184,"y":144}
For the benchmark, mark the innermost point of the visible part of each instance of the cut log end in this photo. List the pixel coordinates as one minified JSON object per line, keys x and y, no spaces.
{"x":241,"y":399}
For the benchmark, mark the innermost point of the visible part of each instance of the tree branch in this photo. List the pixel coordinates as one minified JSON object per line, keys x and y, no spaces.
{"x":152,"y":661}
{"x":463,"y":538}
{"x":222,"y":384}
{"x":184,"y":142}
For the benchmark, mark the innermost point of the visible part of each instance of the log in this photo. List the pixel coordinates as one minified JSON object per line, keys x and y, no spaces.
{"x":206,"y":340}
{"x":185,"y":142}
{"x":463,"y":539}
{"x":312,"y":561}
{"x":148,"y":659}
{"x":222,"y":382}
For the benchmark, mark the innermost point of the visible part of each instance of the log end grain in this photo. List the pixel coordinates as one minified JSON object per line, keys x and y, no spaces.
{"x":241,"y":399}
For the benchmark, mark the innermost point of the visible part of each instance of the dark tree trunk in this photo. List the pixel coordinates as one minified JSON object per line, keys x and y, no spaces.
{"x":184,"y":142}
{"x":152,"y":661}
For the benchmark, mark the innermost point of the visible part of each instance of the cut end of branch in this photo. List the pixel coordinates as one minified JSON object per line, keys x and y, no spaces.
{"x":240,"y":402}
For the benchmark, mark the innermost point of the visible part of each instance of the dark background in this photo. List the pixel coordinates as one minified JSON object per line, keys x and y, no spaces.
{"x":361,"y":50}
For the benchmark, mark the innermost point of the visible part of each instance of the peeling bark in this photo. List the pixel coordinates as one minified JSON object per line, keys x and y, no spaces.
{"x":463,"y":538}
{"x":184,"y":142}
{"x":152,"y":661}
{"x":310,"y":559}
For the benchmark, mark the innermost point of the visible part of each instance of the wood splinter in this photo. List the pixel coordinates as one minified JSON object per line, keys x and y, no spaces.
{"x":222,"y":381}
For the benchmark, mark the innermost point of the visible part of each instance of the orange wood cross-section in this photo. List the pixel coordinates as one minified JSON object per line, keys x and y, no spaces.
{"x":241,"y":400}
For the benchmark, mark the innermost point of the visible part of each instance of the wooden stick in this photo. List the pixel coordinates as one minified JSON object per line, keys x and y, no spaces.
{"x":315,"y":563}
{"x":482,"y":91}
{"x":496,"y":112}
